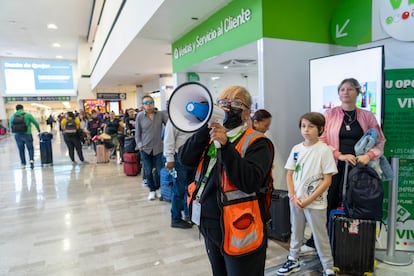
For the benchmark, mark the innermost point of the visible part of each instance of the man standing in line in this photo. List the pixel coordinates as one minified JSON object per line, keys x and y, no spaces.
{"x":173,"y":140}
{"x":21,"y":125}
{"x":148,"y":128}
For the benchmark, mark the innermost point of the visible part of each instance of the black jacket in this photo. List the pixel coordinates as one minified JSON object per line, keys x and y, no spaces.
{"x":246,"y":173}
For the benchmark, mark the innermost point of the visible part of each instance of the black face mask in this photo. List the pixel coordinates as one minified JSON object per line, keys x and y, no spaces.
{"x":233,"y":118}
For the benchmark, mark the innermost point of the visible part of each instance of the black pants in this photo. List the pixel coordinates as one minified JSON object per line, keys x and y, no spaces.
{"x":73,"y":142}
{"x":223,"y":265}
{"x":335,"y":189}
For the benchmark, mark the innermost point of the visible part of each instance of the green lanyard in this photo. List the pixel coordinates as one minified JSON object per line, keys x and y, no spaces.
{"x":211,"y":164}
{"x":212,"y":152}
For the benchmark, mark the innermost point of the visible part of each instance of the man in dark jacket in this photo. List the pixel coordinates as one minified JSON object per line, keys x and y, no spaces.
{"x":94,"y":126}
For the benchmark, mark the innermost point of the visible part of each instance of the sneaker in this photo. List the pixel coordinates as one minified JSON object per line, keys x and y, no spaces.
{"x":181,"y":224}
{"x":23,"y":166}
{"x":85,"y":162}
{"x":329,"y":272}
{"x":31,"y":164}
{"x":144,"y":182}
{"x":290,"y":266}
{"x":74,"y":163}
{"x":158,"y":193}
{"x":307,"y":250}
{"x":151,"y":196}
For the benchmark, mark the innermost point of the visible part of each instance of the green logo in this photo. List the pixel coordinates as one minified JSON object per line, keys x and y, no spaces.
{"x":395,"y":4}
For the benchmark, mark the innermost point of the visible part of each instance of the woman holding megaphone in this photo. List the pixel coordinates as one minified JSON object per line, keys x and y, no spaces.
{"x":233,"y":163}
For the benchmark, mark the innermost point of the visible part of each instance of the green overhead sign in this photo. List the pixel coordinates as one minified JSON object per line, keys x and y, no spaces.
{"x":342,"y":22}
{"x":236,"y":25}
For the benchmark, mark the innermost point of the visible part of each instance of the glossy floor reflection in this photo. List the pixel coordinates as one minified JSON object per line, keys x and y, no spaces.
{"x":93,"y":220}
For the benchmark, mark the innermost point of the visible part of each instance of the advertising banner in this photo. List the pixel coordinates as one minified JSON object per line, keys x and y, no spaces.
{"x":399,"y":131}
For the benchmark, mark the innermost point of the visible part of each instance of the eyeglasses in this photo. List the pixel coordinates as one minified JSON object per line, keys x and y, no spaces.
{"x":226,"y":103}
{"x":148,"y":102}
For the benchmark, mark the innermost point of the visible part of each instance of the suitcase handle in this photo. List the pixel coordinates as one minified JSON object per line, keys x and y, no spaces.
{"x":345,"y":182}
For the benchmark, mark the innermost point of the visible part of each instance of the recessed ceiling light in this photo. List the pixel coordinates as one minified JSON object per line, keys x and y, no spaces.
{"x":226,"y":67}
{"x":57,"y":45}
{"x":59,"y":57}
{"x":52,"y":26}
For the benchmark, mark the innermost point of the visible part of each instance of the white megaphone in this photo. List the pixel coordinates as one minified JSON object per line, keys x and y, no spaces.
{"x":191,"y":107}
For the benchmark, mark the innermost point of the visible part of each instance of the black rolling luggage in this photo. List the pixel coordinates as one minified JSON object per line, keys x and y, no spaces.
{"x":352,"y":240}
{"x":353,"y":245}
{"x":46,"y":154}
{"x":279,"y":226}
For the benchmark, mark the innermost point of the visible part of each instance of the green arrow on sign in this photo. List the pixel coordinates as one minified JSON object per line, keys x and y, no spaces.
{"x":351,"y":23}
{"x":340,"y":30}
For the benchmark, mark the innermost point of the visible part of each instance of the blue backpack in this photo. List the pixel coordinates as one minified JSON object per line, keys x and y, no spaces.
{"x":364,"y":194}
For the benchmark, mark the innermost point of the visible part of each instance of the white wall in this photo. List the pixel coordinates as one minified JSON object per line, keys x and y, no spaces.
{"x":134,"y":16}
{"x":398,"y":54}
{"x":284,"y":91}
{"x":249,"y":81}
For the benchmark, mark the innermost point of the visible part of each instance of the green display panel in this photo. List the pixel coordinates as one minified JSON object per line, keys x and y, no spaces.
{"x":399,"y":131}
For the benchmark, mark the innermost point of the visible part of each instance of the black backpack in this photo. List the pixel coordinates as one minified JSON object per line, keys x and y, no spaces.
{"x":70,"y":126}
{"x":18,"y":124}
{"x":364,"y":194}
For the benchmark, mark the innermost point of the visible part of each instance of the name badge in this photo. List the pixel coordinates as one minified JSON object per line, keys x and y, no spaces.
{"x":196,"y":212}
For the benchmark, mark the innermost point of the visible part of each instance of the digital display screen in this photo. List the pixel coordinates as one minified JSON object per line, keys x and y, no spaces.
{"x":366,"y":66}
{"x":38,"y":78}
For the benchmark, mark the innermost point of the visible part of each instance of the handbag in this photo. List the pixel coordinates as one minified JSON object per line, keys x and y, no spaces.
{"x":130,"y":144}
{"x":108,"y":144}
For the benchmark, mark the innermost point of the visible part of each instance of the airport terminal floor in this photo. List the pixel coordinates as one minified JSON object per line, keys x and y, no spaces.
{"x":91,"y":219}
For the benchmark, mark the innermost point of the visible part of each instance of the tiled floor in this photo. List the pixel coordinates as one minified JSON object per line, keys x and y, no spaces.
{"x":93,"y":220}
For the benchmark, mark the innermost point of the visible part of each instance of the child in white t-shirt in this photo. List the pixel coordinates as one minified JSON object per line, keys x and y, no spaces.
{"x":310,"y":167}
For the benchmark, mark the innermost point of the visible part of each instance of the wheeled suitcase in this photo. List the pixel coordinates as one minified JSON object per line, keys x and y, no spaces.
{"x":102,"y":154}
{"x":166,"y":182}
{"x":353,"y":245}
{"x":279,"y":227}
{"x":131,"y":163}
{"x":352,"y":241}
{"x":46,"y":153}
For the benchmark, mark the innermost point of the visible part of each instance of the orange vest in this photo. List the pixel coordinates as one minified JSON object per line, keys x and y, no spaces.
{"x":243,"y":227}
{"x":242,"y":224}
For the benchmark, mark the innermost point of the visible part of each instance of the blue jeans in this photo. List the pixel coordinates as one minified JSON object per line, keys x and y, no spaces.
{"x":185,"y":176}
{"x":150,"y":162}
{"x":22,"y":140}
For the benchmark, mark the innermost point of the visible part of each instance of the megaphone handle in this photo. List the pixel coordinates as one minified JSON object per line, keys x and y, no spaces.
{"x":217,"y":144}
